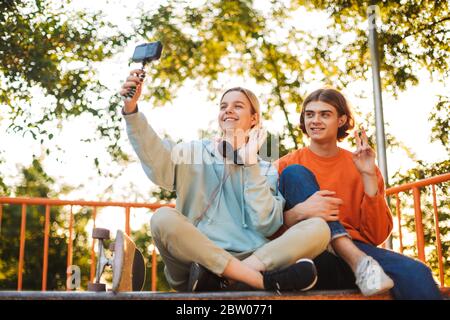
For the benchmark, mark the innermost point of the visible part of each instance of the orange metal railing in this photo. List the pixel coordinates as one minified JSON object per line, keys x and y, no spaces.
{"x":24,"y":202}
{"x":415,"y":187}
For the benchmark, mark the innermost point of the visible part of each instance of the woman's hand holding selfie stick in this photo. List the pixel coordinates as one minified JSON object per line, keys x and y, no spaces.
{"x":132,"y":87}
{"x":131,"y":90}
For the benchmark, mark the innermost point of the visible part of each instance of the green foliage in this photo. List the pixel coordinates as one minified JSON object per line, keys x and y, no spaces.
{"x":226,"y":37}
{"x":36,"y":183}
{"x":413,"y":35}
{"x":440,"y":117}
{"x":50,"y":51}
{"x":164,"y":195}
{"x":4,"y":190}
{"x":49,"y":47}
{"x":233,"y":37}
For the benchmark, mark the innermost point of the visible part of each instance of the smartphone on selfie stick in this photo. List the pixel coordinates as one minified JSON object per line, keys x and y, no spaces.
{"x":145,"y":53}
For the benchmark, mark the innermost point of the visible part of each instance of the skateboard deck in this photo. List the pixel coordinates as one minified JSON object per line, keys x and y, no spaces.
{"x":127,"y":262}
{"x":128,"y":265}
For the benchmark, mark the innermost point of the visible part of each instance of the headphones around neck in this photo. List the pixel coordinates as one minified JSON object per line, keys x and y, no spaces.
{"x":227,"y":152}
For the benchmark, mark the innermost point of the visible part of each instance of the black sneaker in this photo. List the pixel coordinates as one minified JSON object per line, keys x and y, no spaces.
{"x":201,"y":279}
{"x":300,"y":276}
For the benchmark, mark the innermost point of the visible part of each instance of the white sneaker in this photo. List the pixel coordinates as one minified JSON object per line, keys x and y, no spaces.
{"x":370,"y":277}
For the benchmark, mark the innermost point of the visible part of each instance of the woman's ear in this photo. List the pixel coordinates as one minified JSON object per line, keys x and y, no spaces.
{"x":342,"y":120}
{"x":255,"y":120}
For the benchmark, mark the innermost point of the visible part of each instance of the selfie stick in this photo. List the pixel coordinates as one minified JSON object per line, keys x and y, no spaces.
{"x":145,"y":53}
{"x":141,"y":76}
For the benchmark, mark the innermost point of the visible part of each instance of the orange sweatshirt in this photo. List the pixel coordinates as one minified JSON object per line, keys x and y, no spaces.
{"x":366,"y":218}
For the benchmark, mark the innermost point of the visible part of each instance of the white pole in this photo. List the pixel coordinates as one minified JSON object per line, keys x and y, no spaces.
{"x":377,"y":95}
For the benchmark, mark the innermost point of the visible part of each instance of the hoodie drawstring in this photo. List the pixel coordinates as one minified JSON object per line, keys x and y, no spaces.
{"x":218,"y":192}
{"x":220,"y":189}
{"x":244,"y":223}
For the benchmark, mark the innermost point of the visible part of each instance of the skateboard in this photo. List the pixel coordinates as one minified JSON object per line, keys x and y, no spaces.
{"x":127,"y":263}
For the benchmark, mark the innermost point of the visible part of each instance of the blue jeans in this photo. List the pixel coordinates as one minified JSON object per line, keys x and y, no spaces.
{"x":412,"y":278}
{"x":297,"y":184}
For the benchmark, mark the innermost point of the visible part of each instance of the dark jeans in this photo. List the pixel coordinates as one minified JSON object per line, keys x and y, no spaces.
{"x":412,"y":278}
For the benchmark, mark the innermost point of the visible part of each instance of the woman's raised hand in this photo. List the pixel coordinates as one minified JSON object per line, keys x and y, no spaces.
{"x":131,"y":89}
{"x":249,"y":152}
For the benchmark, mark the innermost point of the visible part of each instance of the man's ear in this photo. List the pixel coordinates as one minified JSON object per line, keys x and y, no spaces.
{"x":342,"y":120}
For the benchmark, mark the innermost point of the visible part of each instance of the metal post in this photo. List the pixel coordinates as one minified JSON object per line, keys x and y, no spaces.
{"x":378,"y":99}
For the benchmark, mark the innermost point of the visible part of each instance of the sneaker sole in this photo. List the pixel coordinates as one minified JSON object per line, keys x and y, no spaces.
{"x":194,"y":287}
{"x":315,"y":272}
{"x":194,"y":269}
{"x":381,"y":290}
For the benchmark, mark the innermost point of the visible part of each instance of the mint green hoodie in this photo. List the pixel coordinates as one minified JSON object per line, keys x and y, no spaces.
{"x":236,"y":207}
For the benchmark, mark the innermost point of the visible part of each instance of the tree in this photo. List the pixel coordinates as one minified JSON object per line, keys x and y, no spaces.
{"x":413,"y":35}
{"x":226,"y":37}
{"x":49,"y":51}
{"x":36,"y":183}
{"x":232,"y":37}
{"x":439,"y":116}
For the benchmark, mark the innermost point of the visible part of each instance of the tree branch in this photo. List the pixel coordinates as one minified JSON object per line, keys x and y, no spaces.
{"x":431,"y":25}
{"x":280,"y":98}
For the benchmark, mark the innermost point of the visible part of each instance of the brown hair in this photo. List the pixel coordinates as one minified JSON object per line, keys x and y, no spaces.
{"x":338,"y":101}
{"x":254,"y":102}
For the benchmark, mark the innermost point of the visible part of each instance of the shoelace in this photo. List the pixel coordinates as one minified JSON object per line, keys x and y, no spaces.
{"x":224,"y":283}
{"x":278,"y":291}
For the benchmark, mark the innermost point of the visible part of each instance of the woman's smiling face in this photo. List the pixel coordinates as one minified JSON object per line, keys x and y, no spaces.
{"x":236,"y":113}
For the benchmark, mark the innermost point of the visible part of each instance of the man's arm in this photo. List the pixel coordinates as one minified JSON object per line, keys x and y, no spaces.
{"x":321,"y":204}
{"x":376,"y":217}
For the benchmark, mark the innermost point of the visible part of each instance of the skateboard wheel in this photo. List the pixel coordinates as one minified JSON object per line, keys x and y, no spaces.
{"x":100,"y":233}
{"x":96,"y":287}
{"x":112,"y":246}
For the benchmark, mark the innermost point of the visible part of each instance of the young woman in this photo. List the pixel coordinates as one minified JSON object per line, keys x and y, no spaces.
{"x":227,"y":204}
{"x":347,"y":190}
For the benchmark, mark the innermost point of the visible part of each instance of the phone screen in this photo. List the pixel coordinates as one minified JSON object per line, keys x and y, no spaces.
{"x":139,"y":53}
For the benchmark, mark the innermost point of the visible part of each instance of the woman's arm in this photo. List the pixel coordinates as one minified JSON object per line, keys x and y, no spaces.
{"x":154,"y":153}
{"x":263,"y":202}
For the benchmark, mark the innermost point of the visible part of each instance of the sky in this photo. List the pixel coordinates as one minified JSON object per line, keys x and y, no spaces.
{"x":407,"y":117}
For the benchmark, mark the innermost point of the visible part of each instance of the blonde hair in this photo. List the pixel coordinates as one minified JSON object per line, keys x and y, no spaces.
{"x":254,"y":102}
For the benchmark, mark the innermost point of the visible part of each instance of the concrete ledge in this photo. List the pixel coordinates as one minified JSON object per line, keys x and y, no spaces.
{"x":151,"y":295}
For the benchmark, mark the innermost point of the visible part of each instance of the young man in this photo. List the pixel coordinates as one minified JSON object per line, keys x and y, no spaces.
{"x":351,"y":197}
{"x":225,"y":209}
